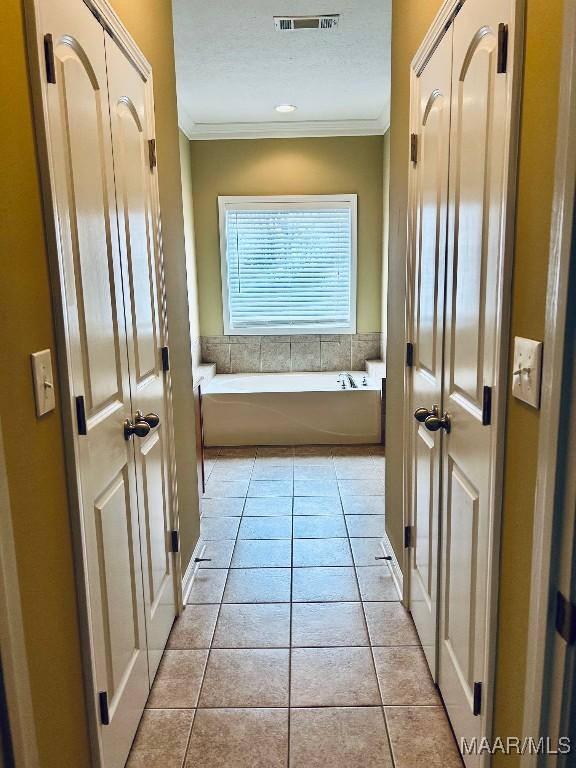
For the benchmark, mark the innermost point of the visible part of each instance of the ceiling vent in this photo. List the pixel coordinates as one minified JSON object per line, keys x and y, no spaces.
{"x":294,"y":23}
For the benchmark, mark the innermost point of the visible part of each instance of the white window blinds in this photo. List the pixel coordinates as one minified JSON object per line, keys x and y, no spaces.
{"x":288,"y":265}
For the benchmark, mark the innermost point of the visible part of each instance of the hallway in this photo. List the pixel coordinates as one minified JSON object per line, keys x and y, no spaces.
{"x":294,"y":649}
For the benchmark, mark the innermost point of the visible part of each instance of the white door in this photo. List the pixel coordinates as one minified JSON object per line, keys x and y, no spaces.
{"x":428,"y":271}
{"x":83,"y":181}
{"x":99,"y":121}
{"x":480,"y":135}
{"x":132,"y":125}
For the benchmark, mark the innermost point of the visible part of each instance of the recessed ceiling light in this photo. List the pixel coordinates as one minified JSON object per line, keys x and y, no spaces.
{"x":285,"y":108}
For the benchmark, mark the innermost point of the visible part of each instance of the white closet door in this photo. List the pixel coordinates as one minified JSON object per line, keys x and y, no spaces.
{"x":480,"y":136}
{"x":428,"y":272}
{"x":83,"y":180}
{"x":132,"y":125}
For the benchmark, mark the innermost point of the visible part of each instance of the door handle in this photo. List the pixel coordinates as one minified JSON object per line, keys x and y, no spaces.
{"x":421,"y":414}
{"x":152,"y":419}
{"x":138,"y":428}
{"x":434,"y":423}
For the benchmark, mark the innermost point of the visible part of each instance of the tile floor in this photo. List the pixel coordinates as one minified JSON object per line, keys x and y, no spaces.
{"x":294,"y":650}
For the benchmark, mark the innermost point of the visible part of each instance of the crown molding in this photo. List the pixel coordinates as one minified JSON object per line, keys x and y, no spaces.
{"x":284,"y":130}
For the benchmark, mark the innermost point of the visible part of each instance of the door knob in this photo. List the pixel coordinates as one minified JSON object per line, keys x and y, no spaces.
{"x":434,"y":423}
{"x":152,"y":419}
{"x":421,"y":414}
{"x":138,"y":428}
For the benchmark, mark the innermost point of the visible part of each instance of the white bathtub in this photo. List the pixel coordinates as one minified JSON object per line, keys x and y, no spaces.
{"x":289,"y":409}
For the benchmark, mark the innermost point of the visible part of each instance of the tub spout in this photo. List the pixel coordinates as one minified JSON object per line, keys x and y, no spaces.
{"x":343,"y":376}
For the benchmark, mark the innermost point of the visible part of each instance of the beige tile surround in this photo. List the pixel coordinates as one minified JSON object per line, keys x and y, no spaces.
{"x":294,"y":650}
{"x":283,"y":354}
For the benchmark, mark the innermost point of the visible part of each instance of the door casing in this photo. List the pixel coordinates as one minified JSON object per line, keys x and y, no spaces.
{"x":516,"y":33}
{"x":12,"y":646}
{"x":541,"y":689}
{"x":35,"y":46}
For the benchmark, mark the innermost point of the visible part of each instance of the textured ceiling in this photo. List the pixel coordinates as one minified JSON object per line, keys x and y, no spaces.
{"x":233,"y":68}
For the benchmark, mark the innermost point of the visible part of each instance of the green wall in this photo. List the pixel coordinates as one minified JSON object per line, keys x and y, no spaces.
{"x":334,"y":165}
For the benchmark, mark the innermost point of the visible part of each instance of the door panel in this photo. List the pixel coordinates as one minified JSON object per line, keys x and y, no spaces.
{"x":83,"y":182}
{"x":118,"y":578}
{"x":132,"y":122}
{"x":469,"y":195}
{"x":90,"y":222}
{"x":134,"y":208}
{"x":460,"y":556}
{"x":479,"y":137}
{"x":155,"y":515}
{"x":429,"y":254}
{"x":426,"y":470}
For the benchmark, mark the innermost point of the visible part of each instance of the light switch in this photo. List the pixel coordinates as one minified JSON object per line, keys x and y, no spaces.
{"x":526,"y":371}
{"x":43,"y":382}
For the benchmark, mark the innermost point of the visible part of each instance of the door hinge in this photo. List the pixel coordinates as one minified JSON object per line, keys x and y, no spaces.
{"x":104,"y":711}
{"x":165,"y":353}
{"x":409,"y":354}
{"x":408,"y":536}
{"x":152,"y":153}
{"x":487,"y":406}
{"x":414,"y":148}
{"x":477,"y":699}
{"x":81,"y":415}
{"x":174,"y":541}
{"x":49,"y":59}
{"x":566,"y":618}
{"x":502,"y":64}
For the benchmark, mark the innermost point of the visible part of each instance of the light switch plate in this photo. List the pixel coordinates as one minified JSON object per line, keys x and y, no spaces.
{"x":43,"y":382}
{"x":526,"y":371}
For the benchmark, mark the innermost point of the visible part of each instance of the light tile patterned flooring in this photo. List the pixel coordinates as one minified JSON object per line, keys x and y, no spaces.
{"x":294,"y":650}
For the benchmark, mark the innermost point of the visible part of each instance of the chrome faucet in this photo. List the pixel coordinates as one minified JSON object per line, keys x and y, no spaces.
{"x":351,"y":381}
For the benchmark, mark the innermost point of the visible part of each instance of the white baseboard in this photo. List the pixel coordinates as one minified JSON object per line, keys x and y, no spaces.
{"x":189,"y":575}
{"x":394,"y":564}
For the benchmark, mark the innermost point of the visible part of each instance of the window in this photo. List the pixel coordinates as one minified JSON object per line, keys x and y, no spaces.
{"x":288,"y":264}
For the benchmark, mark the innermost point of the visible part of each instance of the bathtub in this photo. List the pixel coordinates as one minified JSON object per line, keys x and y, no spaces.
{"x":289,"y":409}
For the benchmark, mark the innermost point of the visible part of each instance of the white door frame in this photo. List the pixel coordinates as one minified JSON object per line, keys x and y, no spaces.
{"x":12,"y":641}
{"x":554,"y":348}
{"x":446,"y":13}
{"x":112,"y":23}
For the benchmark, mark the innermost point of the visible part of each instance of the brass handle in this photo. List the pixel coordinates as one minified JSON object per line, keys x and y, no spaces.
{"x":434,"y":423}
{"x":152,"y":419}
{"x":421,"y":414}
{"x":138,"y":428}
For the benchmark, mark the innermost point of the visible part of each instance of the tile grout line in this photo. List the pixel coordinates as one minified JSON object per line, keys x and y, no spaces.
{"x":195,"y":709}
{"x":186,"y":751}
{"x":227,"y":577}
{"x":302,"y":706}
{"x":370,"y":646}
{"x":290,"y":629}
{"x":290,"y":648}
